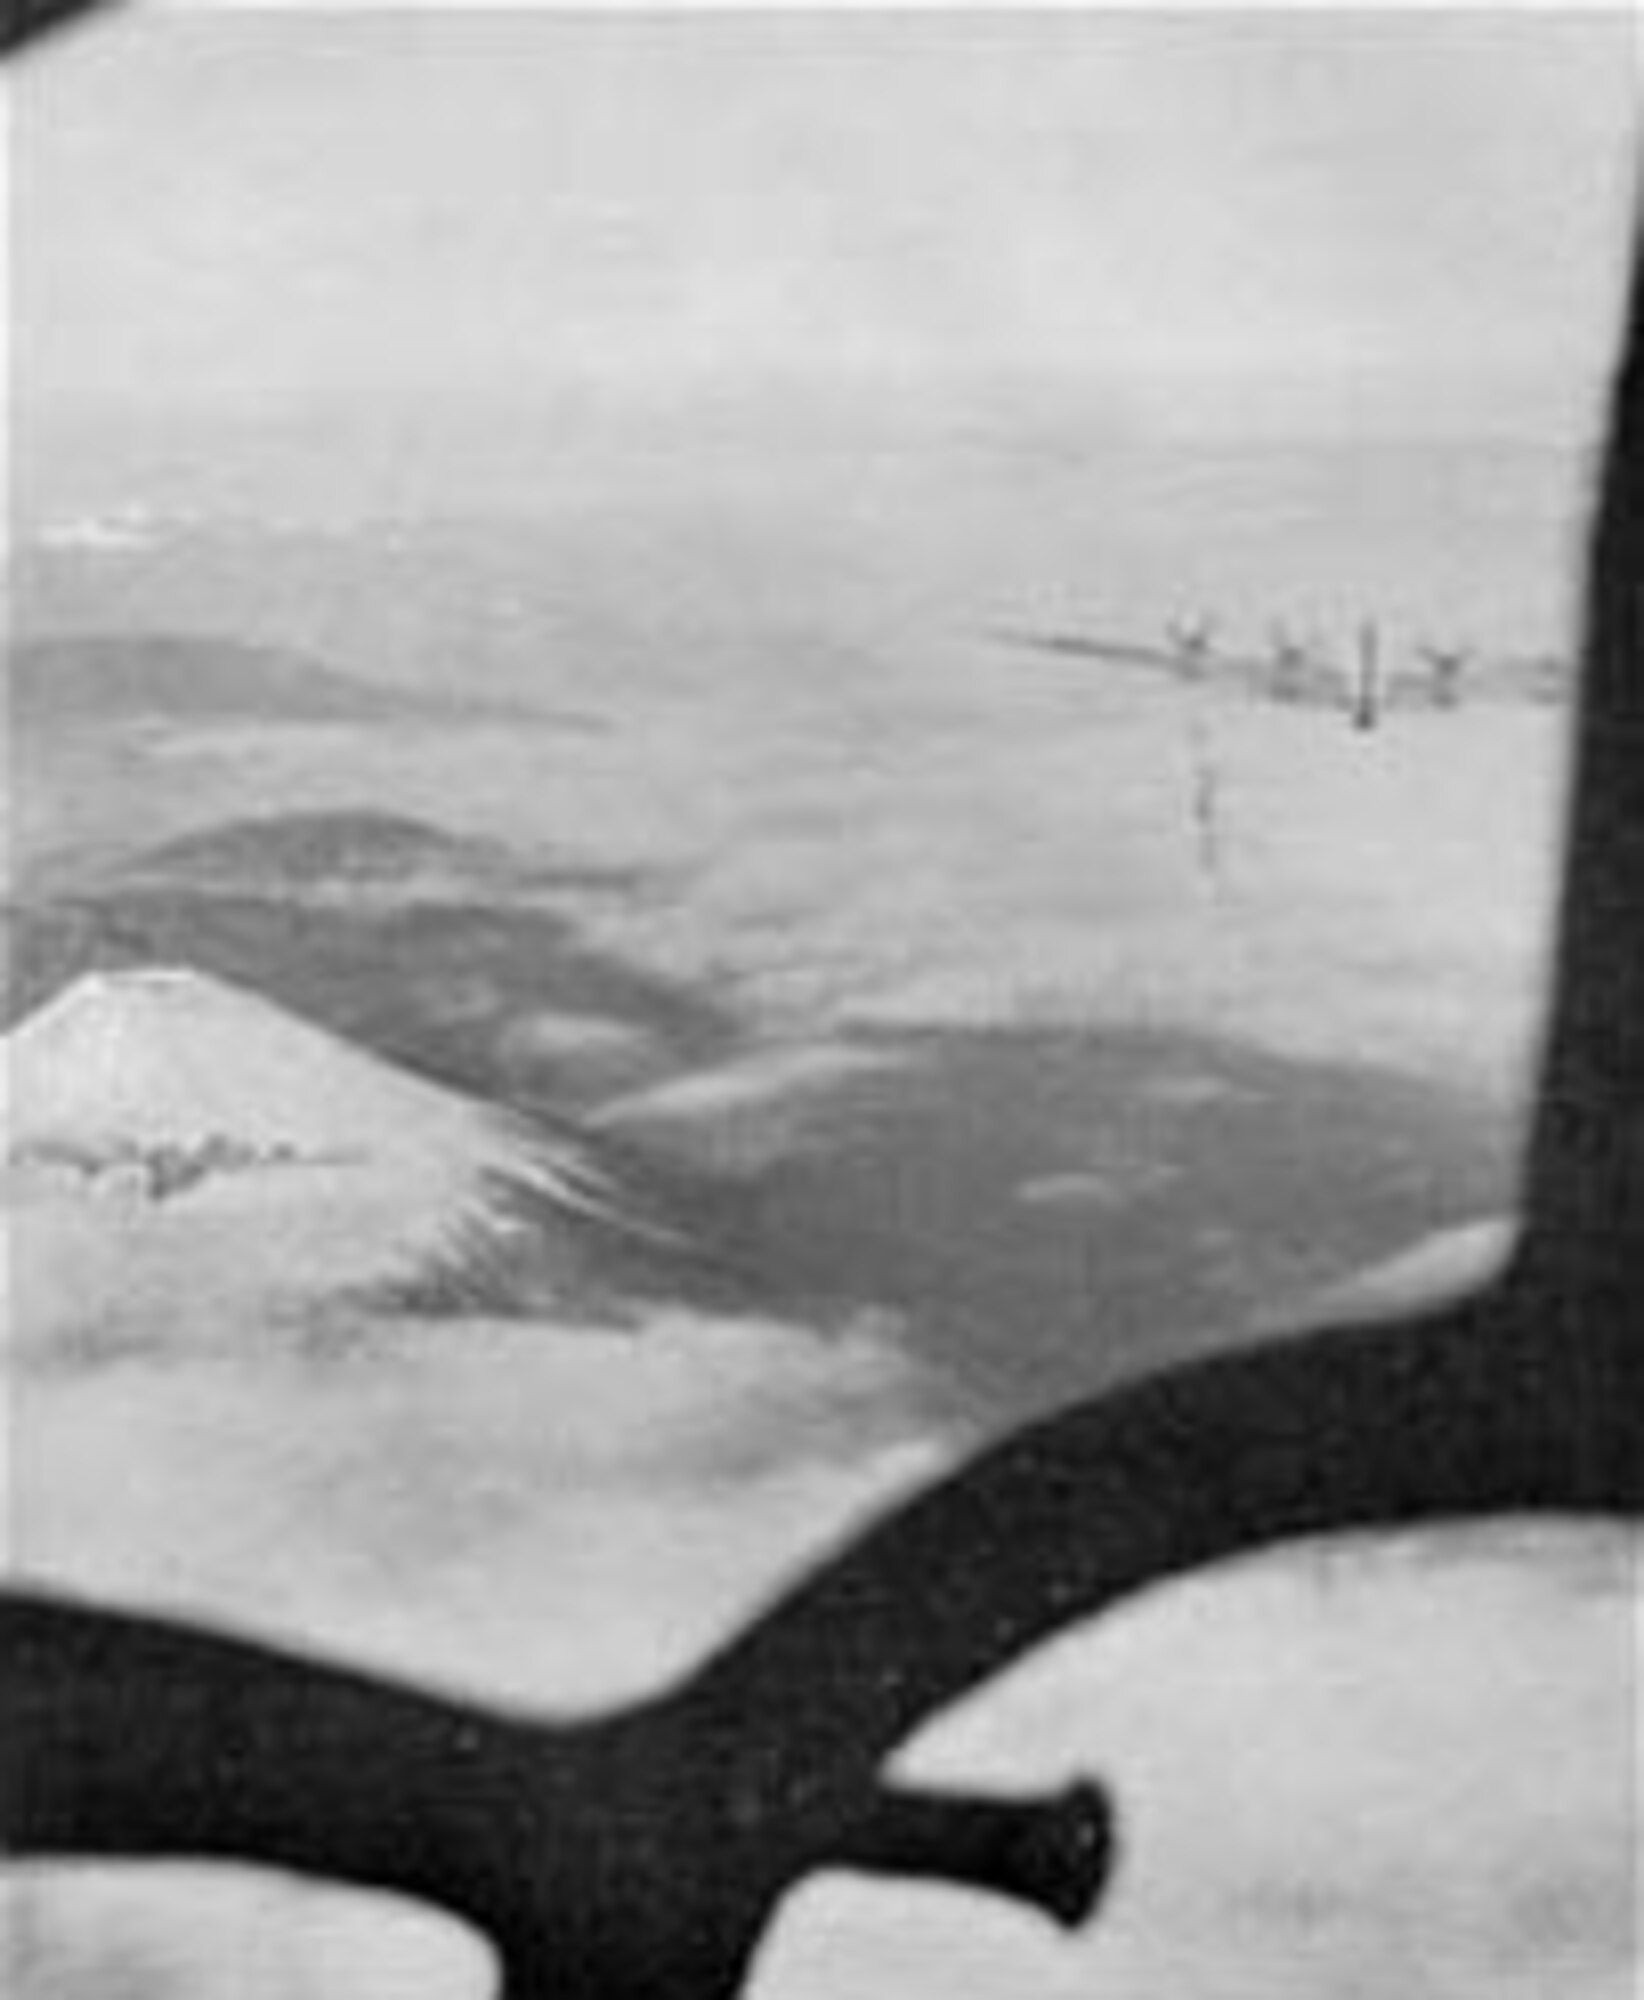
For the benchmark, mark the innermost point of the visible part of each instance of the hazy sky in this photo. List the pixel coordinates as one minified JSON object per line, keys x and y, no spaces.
{"x":1410,"y":218}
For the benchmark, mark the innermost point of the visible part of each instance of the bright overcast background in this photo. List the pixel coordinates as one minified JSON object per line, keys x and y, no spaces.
{"x":247,"y":212}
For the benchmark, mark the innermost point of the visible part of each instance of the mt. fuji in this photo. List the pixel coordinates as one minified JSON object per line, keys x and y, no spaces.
{"x":173,"y":1140}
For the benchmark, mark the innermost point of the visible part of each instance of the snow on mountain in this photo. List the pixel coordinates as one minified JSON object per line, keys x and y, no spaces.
{"x":175,"y":1140}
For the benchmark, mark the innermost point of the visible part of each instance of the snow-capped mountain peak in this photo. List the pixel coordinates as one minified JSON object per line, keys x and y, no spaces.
{"x":175,"y":1057}
{"x":165,"y":1118}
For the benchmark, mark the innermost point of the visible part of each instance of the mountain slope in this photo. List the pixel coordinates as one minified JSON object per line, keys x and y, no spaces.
{"x":351,"y":852}
{"x":97,"y":677}
{"x":308,"y":851}
{"x":174,"y":1140}
{"x":81,"y":680}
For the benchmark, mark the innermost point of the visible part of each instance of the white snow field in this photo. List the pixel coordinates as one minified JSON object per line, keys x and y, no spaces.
{"x":174,"y":1057}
